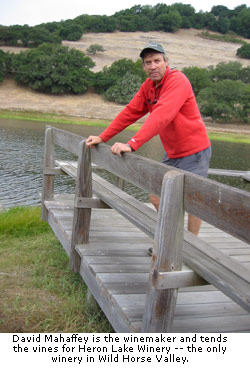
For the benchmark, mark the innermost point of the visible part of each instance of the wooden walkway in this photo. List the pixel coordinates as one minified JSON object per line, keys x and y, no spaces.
{"x":117,"y":261}
{"x":211,"y":295}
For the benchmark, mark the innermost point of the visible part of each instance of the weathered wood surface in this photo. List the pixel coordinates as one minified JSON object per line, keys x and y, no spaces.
{"x":48,"y":178}
{"x":220,"y":205}
{"x":81,"y":218}
{"x":117,"y":269}
{"x":113,"y":258}
{"x":231,"y":173}
{"x":167,"y":255}
{"x":145,"y":220}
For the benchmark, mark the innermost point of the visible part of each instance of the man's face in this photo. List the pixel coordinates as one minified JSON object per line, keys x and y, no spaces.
{"x":155,"y":66}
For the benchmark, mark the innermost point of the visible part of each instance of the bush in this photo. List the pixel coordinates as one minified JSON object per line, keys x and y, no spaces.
{"x":70,"y":31}
{"x":93,"y":49}
{"x":226,"y":100}
{"x":124,"y":90}
{"x":244,"y":51}
{"x":110,"y":76}
{"x":199,"y":78}
{"x":2,"y":65}
{"x":54,"y":69}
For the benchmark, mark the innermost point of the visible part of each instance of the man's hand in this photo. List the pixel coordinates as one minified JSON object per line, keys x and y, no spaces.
{"x":119,"y":148}
{"x":92,"y":141}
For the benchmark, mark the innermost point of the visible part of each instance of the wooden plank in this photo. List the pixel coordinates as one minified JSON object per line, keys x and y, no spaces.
{"x":81,"y":219}
{"x":193,"y":311}
{"x":218,"y":269}
{"x":102,"y":296}
{"x":127,"y":288}
{"x":230,"y":173}
{"x":116,"y":260}
{"x":53,"y":171}
{"x":48,"y":179}
{"x":67,"y":140}
{"x":132,"y":209}
{"x":213,"y":202}
{"x":246,"y":177}
{"x":225,"y":207}
{"x":223,"y":324}
{"x":177,"y":279}
{"x":122,"y":277}
{"x":90,"y":203}
{"x":120,"y":268}
{"x":59,"y":232}
{"x":167,"y":254}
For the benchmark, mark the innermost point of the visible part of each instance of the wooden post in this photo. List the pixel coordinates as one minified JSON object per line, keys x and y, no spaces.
{"x":48,"y":180}
{"x":167,"y":254}
{"x":120,"y":183}
{"x":81,"y":219}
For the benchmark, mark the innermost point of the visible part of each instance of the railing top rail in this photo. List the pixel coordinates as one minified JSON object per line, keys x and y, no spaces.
{"x":223,"y":206}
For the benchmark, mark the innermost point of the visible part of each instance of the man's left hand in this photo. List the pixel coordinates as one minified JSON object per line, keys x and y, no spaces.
{"x":119,"y":148}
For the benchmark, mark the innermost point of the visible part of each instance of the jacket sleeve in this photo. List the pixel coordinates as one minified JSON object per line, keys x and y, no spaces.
{"x":174,"y":94}
{"x":136,"y":109}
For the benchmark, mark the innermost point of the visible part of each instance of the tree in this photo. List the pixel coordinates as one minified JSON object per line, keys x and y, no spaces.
{"x":124,"y":89}
{"x":169,"y":22}
{"x":210,"y":21}
{"x":70,"y":31}
{"x":226,"y":100}
{"x":240,"y":22}
{"x":244,"y":51}
{"x":226,"y":71}
{"x":198,"y":77}
{"x":112,"y":75}
{"x":245,"y":75}
{"x":2,"y":65}
{"x":93,"y":49}
{"x":220,"y":10}
{"x":54,"y":69}
{"x":223,"y":25}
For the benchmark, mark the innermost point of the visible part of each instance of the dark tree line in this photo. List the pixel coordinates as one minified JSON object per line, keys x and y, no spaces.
{"x":161,"y":17}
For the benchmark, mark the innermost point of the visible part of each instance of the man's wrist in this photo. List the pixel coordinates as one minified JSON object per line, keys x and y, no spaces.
{"x":132,"y":150}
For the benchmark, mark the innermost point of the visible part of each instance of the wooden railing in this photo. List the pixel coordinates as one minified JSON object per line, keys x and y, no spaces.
{"x":224,"y":207}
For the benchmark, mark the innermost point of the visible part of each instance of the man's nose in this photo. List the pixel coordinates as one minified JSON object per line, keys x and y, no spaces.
{"x":153,"y":65}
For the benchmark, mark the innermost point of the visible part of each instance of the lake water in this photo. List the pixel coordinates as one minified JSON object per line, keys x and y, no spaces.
{"x":21,"y":160}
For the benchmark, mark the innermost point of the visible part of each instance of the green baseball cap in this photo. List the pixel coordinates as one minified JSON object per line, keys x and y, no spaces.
{"x":153,"y":46}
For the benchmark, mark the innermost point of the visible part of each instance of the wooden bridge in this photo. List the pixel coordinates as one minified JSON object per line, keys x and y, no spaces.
{"x":190,"y":284}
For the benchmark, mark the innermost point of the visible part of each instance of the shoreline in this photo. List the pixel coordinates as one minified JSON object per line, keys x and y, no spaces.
{"x":216,"y":131}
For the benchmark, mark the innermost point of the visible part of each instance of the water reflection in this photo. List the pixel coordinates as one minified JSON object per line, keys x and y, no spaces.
{"x":21,"y":161}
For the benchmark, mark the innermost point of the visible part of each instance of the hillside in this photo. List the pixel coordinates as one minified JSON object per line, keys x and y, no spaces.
{"x":184,"y":48}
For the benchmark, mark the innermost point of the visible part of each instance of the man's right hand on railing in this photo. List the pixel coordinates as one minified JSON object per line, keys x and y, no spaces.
{"x":93,"y":140}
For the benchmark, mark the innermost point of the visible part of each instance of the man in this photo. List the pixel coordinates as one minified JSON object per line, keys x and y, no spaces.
{"x":174,"y":115}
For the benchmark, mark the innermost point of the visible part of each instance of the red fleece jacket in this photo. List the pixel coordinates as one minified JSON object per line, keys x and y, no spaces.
{"x":174,"y":116}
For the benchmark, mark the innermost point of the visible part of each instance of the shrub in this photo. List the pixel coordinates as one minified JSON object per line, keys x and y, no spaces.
{"x":199,"y":78}
{"x":244,"y":51}
{"x":54,"y":68}
{"x":226,"y":100}
{"x":124,"y":90}
{"x":93,"y":49}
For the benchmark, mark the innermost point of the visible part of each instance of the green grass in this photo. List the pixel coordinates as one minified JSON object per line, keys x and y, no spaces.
{"x":229,"y":137}
{"x":38,"y":291}
{"x":51,"y":118}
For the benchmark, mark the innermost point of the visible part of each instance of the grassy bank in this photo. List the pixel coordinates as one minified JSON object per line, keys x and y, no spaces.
{"x":38,"y":292}
{"x":230,"y":137}
{"x":51,"y":118}
{"x":61,"y":119}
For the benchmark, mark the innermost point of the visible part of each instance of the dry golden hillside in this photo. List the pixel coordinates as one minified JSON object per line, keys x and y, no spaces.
{"x":184,"y":48}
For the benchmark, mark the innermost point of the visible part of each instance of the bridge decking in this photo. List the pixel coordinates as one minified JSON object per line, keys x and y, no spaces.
{"x":116,"y":264}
